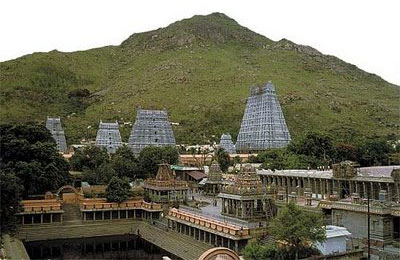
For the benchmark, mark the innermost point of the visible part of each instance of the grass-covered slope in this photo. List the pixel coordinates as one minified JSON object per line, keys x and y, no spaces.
{"x":200,"y":69}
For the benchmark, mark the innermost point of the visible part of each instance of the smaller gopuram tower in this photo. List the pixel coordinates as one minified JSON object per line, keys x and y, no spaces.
{"x":108,"y":136}
{"x":214,"y":180}
{"x":56,"y":130}
{"x":244,"y":199}
{"x":151,"y":128}
{"x":165,"y":187}
{"x":227,"y":144}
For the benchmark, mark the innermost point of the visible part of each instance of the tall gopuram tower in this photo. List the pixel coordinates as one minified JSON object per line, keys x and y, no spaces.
{"x":151,"y":128}
{"x":263,"y":125}
{"x":227,"y":144}
{"x":56,"y":130}
{"x":108,"y":136}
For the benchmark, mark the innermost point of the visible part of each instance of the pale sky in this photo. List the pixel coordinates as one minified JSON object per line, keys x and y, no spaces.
{"x":362,"y":32}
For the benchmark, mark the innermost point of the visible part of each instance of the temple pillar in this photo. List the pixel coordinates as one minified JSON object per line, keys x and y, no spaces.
{"x":372,"y":193}
{"x":41,"y":218}
{"x":389,"y":191}
{"x":119,"y":214}
{"x":236,"y":246}
{"x":84,"y":216}
{"x":365,"y":195}
{"x":102,"y":215}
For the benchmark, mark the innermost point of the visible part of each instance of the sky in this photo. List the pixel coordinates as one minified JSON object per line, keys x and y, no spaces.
{"x":365,"y":33}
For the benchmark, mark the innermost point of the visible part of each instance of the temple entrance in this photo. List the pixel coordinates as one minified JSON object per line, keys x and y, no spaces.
{"x":219,"y":253}
{"x":69,"y":197}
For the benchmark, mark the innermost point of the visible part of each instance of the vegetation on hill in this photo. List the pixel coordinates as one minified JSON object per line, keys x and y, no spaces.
{"x":200,"y":70}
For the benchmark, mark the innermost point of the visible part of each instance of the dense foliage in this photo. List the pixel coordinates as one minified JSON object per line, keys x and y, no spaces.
{"x":99,"y":167}
{"x":315,"y":149}
{"x":150,"y":157}
{"x":118,"y":190}
{"x":223,"y":159}
{"x":30,"y":164}
{"x":295,"y":232}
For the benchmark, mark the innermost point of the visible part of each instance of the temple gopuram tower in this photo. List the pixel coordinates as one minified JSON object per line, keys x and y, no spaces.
{"x":151,"y":128}
{"x":227,"y":144}
{"x":56,"y":130}
{"x":108,"y":136}
{"x":165,"y":187}
{"x":263,"y":125}
{"x":244,"y":199}
{"x":214,"y":180}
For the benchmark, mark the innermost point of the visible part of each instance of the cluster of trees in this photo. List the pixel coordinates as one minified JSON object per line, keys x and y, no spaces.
{"x":29,"y":164}
{"x":99,"y":167}
{"x":314,"y":150}
{"x":295,"y":233}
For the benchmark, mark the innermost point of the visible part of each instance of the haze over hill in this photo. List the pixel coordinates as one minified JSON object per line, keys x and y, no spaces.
{"x":200,"y":70}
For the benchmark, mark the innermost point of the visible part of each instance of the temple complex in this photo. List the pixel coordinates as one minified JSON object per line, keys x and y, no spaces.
{"x":245,"y":198}
{"x":56,"y":130}
{"x":165,"y":187}
{"x":213,"y":184}
{"x":263,"y":125}
{"x":151,"y":128}
{"x":343,"y":194}
{"x":227,"y":144}
{"x":108,"y":136}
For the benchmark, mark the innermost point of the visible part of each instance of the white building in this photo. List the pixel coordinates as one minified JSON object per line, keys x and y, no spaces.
{"x":335,"y":240}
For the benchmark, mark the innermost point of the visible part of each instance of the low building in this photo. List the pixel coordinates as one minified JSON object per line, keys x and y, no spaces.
{"x":336,"y":240}
{"x":165,"y":187}
{"x":189,"y":174}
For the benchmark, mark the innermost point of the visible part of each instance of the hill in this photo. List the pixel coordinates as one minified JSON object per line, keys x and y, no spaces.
{"x":200,"y":70}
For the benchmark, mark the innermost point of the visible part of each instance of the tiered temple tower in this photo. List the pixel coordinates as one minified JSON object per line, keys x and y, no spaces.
{"x":151,"y":128}
{"x":245,"y":198}
{"x":214,"y":180}
{"x":108,"y":136}
{"x":227,"y":144}
{"x":263,"y":125}
{"x":56,"y":130}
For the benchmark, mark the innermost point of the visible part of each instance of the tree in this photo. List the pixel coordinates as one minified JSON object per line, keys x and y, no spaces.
{"x":151,"y":156}
{"x":298,"y":229}
{"x":10,"y":194}
{"x":29,"y":151}
{"x":314,"y":144}
{"x":374,"y":152}
{"x":124,"y":163}
{"x":90,"y":157}
{"x":256,"y":251}
{"x":223,"y":159}
{"x":118,"y":190}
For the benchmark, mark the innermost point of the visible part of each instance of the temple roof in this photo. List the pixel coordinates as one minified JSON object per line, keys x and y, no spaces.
{"x":165,"y":180}
{"x":247,"y":183}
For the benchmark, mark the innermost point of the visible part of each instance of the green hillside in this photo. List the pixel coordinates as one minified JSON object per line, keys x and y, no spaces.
{"x":200,"y":70}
